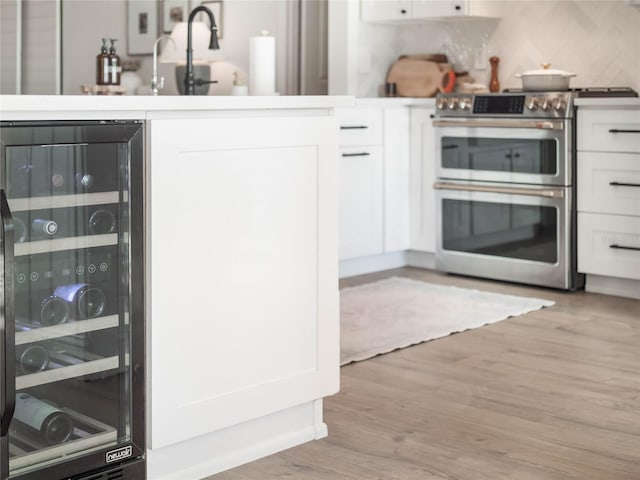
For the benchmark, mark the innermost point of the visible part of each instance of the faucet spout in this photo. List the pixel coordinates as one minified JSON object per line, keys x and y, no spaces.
{"x":157,"y":84}
{"x":190,"y":81}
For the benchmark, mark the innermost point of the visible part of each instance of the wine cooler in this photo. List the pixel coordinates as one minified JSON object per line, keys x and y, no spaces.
{"x":72,"y":317}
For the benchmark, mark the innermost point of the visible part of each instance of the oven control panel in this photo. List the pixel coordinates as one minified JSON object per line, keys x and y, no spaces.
{"x":515,"y":105}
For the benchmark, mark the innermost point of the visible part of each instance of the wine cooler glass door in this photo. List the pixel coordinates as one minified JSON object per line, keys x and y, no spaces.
{"x":78,"y":323}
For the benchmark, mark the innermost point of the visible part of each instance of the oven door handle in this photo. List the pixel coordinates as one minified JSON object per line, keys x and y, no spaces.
{"x":534,"y":192}
{"x":515,"y":123}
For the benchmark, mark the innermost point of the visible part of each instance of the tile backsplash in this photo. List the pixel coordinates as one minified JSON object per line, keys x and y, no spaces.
{"x":599,"y":41}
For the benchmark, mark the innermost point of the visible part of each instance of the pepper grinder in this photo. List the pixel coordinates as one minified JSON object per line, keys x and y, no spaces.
{"x":494,"y":84}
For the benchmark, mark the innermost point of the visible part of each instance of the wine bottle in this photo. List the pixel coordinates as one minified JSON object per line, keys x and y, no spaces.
{"x":102,"y":221}
{"x":53,"y":311}
{"x":52,"y":424}
{"x":31,"y":358}
{"x":43,"y":227}
{"x":81,"y":181}
{"x":85,"y":301}
{"x":20,"y":230}
{"x":84,"y":181}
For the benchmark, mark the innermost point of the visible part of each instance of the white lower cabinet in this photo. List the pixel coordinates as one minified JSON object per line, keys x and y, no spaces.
{"x":361,"y":201}
{"x":608,"y":165}
{"x":242,"y":288}
{"x":387,"y":203}
{"x":374,"y":181}
{"x":609,"y":245}
{"x":423,"y":199}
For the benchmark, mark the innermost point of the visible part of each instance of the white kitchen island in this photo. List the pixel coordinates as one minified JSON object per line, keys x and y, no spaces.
{"x":242,"y":270}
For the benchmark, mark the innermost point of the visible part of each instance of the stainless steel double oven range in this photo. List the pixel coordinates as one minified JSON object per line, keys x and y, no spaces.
{"x":506,"y":187}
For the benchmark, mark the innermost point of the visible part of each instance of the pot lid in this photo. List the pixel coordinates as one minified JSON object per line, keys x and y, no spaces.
{"x":547,"y":71}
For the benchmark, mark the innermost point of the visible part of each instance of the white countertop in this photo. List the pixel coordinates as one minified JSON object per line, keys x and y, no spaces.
{"x":610,"y":102}
{"x":12,"y":106}
{"x":395,"y":101}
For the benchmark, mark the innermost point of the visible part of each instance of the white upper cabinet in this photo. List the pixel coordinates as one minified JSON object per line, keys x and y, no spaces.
{"x":386,"y":10}
{"x":397,"y":11}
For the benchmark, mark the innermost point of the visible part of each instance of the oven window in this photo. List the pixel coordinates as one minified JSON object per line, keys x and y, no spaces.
{"x":500,"y":155}
{"x":527,"y":232}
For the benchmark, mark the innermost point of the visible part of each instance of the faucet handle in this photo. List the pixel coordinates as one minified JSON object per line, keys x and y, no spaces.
{"x":161,"y":82}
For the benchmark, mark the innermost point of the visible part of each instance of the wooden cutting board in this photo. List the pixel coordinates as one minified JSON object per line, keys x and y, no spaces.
{"x":416,"y":77}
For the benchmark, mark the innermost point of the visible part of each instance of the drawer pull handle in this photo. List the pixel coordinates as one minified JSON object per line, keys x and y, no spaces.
{"x":623,"y":247}
{"x":359,"y":154}
{"x":353,"y":127}
{"x":617,"y":130}
{"x":624,"y":184}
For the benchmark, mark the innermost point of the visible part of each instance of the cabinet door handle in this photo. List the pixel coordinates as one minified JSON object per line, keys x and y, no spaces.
{"x":358,"y":154}
{"x":353,"y":127}
{"x":618,"y":130}
{"x":7,"y":321}
{"x":624,"y":247}
{"x":623,"y":184}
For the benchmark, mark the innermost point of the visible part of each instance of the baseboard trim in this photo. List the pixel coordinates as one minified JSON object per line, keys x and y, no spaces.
{"x":386,"y":261}
{"x":619,"y":287}
{"x":421,"y":259}
{"x":373,"y":263}
{"x":213,"y":453}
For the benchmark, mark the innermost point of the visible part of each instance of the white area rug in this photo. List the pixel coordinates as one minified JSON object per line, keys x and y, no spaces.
{"x":397,"y":312}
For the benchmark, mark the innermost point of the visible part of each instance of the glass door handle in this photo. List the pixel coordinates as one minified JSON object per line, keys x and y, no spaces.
{"x":7,"y":321}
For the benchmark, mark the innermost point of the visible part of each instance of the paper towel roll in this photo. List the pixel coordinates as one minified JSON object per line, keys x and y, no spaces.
{"x":262,"y":65}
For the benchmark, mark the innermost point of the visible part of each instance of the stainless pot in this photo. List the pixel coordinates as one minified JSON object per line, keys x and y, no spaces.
{"x":546,"y":79}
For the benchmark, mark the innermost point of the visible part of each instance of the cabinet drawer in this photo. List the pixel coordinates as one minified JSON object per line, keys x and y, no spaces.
{"x":609,"y":183}
{"x":359,"y":126}
{"x":609,"y":245}
{"x":609,"y":130}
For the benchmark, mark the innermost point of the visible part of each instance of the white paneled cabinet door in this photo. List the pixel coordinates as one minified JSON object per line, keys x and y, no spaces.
{"x":361,"y":201}
{"x":423,"y":165}
{"x":396,"y":179}
{"x":243,"y":270}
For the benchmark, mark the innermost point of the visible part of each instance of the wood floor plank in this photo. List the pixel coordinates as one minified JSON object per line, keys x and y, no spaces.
{"x":551,"y":395}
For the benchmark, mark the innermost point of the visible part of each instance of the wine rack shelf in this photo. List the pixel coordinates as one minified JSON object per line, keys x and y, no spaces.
{"x":27,"y":451}
{"x":61,"y":244}
{"x":64,"y":201}
{"x":29,"y":334}
{"x":67,"y":366}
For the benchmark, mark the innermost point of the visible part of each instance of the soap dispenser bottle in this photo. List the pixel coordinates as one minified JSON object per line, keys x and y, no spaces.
{"x":115,"y":69}
{"x":102,"y":65}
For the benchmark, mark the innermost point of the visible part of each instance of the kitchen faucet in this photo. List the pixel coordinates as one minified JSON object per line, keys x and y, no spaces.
{"x":189,"y":81}
{"x":155,"y":83}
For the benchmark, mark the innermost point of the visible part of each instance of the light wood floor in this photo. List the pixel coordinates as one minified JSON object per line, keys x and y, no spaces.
{"x":551,"y":395}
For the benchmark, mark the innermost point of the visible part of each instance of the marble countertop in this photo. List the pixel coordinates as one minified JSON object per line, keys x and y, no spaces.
{"x":395,"y":101}
{"x":608,"y":102}
{"x":97,"y":106}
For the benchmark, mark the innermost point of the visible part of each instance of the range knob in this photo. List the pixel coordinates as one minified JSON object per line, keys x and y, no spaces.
{"x":453,"y":103}
{"x":442,"y":103}
{"x":533,"y":104}
{"x":546,"y":104}
{"x":559,"y":105}
{"x":465,"y":103}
